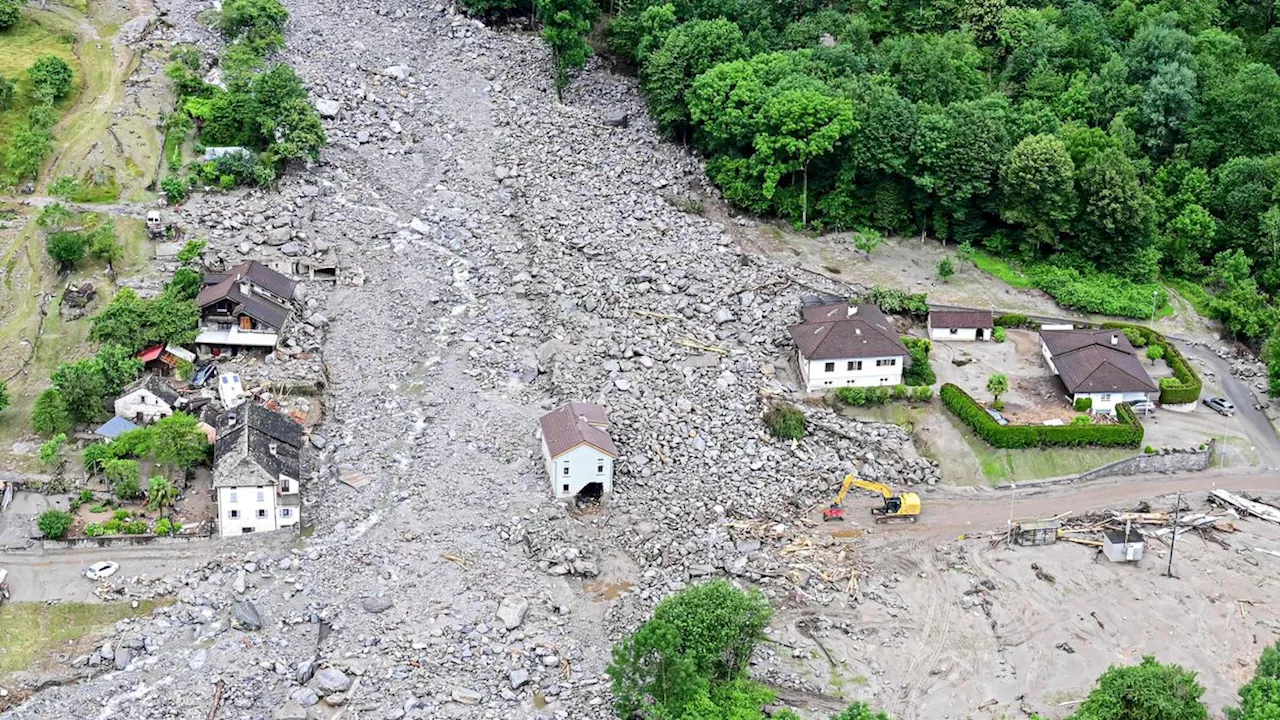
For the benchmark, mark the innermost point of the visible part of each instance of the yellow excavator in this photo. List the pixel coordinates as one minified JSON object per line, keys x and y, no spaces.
{"x":903,"y":507}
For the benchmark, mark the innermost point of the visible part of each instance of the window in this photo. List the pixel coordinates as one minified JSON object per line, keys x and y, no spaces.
{"x":285,"y":512}
{"x":1105,"y":397}
{"x":600,"y":466}
{"x":953,"y":331}
{"x":566,"y":487}
{"x":234,"y":514}
{"x":886,"y":362}
{"x":854,"y":365}
{"x":826,"y":382}
{"x":262,"y":512}
{"x":565,"y":471}
{"x":829,"y":367}
{"x":234,"y":498}
{"x":262,"y":497}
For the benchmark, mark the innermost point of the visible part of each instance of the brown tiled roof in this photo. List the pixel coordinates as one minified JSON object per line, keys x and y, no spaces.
{"x":572,"y":425}
{"x":258,"y":274}
{"x":833,"y":332}
{"x":255,"y":306}
{"x":961,"y":319}
{"x":1089,"y":362}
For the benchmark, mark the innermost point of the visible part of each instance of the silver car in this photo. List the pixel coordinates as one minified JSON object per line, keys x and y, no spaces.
{"x":1143,"y":407}
{"x":1220,"y":405}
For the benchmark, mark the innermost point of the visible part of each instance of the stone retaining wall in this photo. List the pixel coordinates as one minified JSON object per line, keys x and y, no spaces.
{"x":1163,"y":462}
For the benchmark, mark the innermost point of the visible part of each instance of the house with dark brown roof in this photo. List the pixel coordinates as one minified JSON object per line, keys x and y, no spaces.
{"x":577,"y":451}
{"x":1100,"y":365}
{"x":246,"y":307}
{"x":951,"y":325}
{"x":841,"y":344}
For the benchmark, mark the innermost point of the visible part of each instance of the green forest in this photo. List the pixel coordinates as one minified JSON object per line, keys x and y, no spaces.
{"x":1108,"y":148}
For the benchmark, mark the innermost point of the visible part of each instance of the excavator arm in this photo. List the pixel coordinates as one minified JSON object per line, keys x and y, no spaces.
{"x":844,"y":490}
{"x":880,"y":489}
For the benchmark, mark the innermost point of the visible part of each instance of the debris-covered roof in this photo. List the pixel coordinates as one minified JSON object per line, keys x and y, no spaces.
{"x":256,"y":446}
{"x":155,"y":386}
{"x":840,"y":330}
{"x":575,"y":424}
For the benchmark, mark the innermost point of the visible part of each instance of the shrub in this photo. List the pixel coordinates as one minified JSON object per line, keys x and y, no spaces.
{"x":1185,"y":386}
{"x":137,"y":527}
{"x":50,"y":78}
{"x":999,"y":335}
{"x":1100,"y":293}
{"x":1148,"y":450}
{"x":51,"y":449}
{"x":1082,"y":420}
{"x":123,"y":476}
{"x":112,"y":526}
{"x":54,"y":524}
{"x":120,"y":515}
{"x":899,"y":392}
{"x":1016,"y":320}
{"x":922,"y":394}
{"x":1127,"y":433}
{"x":897,"y":302}
{"x":1084,"y":404}
{"x":97,"y":508}
{"x":919,"y":371}
{"x":785,"y":421}
{"x":86,"y":495}
{"x":10,"y":13}
{"x":877,"y":395}
{"x":1136,"y":338}
{"x":946,"y":268}
{"x":94,"y":530}
{"x":855,"y":396}
{"x":175,"y":190}
{"x":165,"y":526}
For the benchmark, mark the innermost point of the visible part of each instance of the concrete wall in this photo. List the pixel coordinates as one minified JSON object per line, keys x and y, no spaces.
{"x":946,"y":334}
{"x":581,"y":466}
{"x":1169,"y":461}
{"x":246,"y":506}
{"x":865,"y":372}
{"x":123,"y":541}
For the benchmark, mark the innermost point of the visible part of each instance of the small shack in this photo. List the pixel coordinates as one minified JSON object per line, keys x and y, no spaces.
{"x":1039,"y":532}
{"x":949,"y":325}
{"x":1123,"y":545}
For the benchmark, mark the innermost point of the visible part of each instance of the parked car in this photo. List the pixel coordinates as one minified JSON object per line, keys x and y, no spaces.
{"x":101,"y":570}
{"x":204,"y":373}
{"x":1143,"y":407}
{"x":995,"y":415}
{"x":1222,"y":406}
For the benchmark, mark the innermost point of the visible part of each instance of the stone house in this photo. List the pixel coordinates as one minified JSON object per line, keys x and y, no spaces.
{"x":576,"y":450}
{"x":246,"y":307}
{"x":257,"y":466}
{"x":1099,"y":365}
{"x":840,"y":344}
{"x":146,"y":400}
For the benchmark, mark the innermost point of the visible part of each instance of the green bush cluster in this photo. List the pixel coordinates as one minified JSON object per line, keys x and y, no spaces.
{"x":919,"y":371}
{"x":1185,"y":386}
{"x":94,"y":530}
{"x":165,"y":526}
{"x":785,"y":421}
{"x":999,"y":335}
{"x":873,"y":396}
{"x":898,"y":302}
{"x":1083,"y":404}
{"x":1100,"y":293}
{"x":1016,"y":321}
{"x":54,"y":524}
{"x":1127,"y":433}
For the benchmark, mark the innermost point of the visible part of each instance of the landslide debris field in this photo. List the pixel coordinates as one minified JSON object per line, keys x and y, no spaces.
{"x":501,"y":253}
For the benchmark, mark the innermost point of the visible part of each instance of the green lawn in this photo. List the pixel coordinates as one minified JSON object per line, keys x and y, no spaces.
{"x":31,"y":630}
{"x":1001,"y":466}
{"x":1193,"y":293}
{"x":19,"y":48}
{"x":1001,"y":268}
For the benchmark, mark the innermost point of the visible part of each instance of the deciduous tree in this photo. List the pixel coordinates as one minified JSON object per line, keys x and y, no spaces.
{"x":1038,"y":184}
{"x":1147,"y":691}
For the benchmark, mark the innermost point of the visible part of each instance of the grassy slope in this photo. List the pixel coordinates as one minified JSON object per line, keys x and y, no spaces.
{"x":19,"y":48}
{"x":31,"y":630}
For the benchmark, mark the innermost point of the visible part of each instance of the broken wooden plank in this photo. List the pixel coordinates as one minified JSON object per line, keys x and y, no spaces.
{"x":699,"y":346}
{"x":1259,"y":510}
{"x":1082,"y":541}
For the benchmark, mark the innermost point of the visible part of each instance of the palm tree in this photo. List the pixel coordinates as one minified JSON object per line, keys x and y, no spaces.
{"x":161,"y":495}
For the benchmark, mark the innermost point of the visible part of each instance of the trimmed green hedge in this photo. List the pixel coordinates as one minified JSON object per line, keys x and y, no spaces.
{"x":1016,"y":320}
{"x":1185,"y":385}
{"x":919,"y":372}
{"x":1128,"y":433}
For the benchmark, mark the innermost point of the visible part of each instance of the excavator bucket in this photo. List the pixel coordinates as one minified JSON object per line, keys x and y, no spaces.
{"x":833,"y":513}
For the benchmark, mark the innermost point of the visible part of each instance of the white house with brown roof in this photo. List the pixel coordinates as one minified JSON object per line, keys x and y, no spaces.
{"x":1099,"y":365}
{"x":840,"y":344}
{"x":577,"y":451}
{"x":953,"y":325}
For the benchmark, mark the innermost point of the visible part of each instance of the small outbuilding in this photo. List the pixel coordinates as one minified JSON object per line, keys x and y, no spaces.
{"x":577,"y":451}
{"x":164,"y":359}
{"x":1123,"y":545}
{"x":114,"y":428}
{"x":1039,"y":532}
{"x":951,"y":325}
{"x":146,"y":400}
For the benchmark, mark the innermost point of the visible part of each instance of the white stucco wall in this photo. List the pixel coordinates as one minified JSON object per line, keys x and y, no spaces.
{"x":247,"y":505}
{"x":575,"y":469}
{"x":946,"y":334}
{"x":142,"y":401}
{"x":818,"y":379}
{"x":1105,"y":403}
{"x":1048,"y":357}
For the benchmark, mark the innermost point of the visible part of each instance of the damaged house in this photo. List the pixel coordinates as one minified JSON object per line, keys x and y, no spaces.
{"x":257,"y":466}
{"x":577,"y":451}
{"x":246,"y":307}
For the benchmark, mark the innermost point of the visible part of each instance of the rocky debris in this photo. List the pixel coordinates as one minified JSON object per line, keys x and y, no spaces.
{"x":377,"y":605}
{"x":331,"y":680}
{"x":244,"y":616}
{"x":511,"y":611}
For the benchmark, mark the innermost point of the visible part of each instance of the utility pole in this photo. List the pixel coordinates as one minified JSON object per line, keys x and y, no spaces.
{"x":1177,"y":507}
{"x":1154,"y":294}
{"x":1013,"y":489}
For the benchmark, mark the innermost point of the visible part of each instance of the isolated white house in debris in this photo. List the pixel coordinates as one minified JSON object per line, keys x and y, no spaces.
{"x":146,"y":400}
{"x":578,"y":453}
{"x":841,"y":344}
